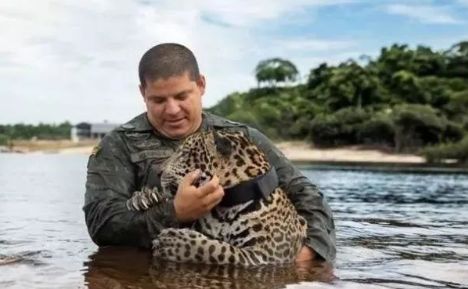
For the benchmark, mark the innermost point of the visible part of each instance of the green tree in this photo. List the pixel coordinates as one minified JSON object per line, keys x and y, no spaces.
{"x":406,"y":88}
{"x":421,"y":62}
{"x":404,"y":98}
{"x":275,"y":70}
{"x":427,"y":62}
{"x":347,"y":85}
{"x":319,"y":75}
{"x":457,"y":107}
{"x":41,"y":131}
{"x":231,"y":103}
{"x":457,"y":60}
{"x":391,"y":60}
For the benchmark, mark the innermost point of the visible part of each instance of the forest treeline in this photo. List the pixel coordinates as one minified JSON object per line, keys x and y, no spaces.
{"x":21,"y":131}
{"x":408,"y":100}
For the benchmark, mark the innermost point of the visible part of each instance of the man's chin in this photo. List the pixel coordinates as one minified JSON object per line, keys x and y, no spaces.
{"x":176,"y":132}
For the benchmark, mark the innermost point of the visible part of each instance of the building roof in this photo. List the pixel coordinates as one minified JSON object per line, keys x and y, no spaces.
{"x":83,"y":125}
{"x":103,"y":127}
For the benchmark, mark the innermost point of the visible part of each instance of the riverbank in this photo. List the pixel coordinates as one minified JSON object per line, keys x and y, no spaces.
{"x":48,"y":146}
{"x":300,"y":152}
{"x":303,"y":152}
{"x":296,"y":151}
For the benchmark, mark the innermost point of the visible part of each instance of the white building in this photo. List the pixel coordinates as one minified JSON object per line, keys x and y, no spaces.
{"x":85,"y":130}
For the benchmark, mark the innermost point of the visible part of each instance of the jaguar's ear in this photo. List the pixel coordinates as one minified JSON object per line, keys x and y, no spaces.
{"x":223,"y":145}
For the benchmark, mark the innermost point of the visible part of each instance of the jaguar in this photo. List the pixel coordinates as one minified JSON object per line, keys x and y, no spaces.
{"x":263,"y":228}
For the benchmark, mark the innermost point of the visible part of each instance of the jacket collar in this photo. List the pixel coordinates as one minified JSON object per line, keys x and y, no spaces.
{"x":141,"y":124}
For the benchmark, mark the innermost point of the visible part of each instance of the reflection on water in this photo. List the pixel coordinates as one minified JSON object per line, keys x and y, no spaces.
{"x":131,"y":268}
{"x":395,"y":230}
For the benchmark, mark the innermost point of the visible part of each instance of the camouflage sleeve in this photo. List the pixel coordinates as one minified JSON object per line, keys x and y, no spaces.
{"x":306,"y":197}
{"x":110,"y":182}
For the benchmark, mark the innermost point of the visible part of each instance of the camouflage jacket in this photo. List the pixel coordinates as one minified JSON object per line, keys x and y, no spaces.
{"x":130,"y":158}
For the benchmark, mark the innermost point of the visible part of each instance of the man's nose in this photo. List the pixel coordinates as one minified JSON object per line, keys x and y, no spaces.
{"x":172,"y":107}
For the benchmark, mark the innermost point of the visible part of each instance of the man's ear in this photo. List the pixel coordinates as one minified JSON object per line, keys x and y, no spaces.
{"x":142,"y":90}
{"x":201,"y":83}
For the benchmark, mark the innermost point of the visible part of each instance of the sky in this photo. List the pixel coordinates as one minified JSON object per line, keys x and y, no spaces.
{"x":77,"y":60}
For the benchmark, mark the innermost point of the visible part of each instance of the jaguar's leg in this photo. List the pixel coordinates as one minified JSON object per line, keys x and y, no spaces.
{"x":144,"y":199}
{"x":185,"y":245}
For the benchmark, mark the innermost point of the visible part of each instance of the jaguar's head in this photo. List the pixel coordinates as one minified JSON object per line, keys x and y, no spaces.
{"x":229,"y":155}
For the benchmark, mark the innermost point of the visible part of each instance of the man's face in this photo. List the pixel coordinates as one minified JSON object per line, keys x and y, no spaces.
{"x":174,"y":105}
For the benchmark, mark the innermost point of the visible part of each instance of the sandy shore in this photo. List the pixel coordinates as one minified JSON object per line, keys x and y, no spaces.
{"x":302,"y":152}
{"x":299,"y":151}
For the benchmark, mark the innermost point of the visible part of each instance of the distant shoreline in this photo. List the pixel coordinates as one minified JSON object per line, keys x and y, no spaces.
{"x":298,"y":152}
{"x":303,"y":152}
{"x":293,"y":150}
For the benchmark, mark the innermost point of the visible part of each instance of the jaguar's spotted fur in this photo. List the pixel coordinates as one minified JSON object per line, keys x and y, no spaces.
{"x":264,"y":231}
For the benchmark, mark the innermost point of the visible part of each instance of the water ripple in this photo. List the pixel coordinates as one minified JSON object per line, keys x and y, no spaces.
{"x":394,"y":230}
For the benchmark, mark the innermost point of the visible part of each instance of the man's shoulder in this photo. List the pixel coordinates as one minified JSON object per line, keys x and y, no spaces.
{"x":128,"y":131}
{"x":222,"y":122}
{"x":139,"y":123}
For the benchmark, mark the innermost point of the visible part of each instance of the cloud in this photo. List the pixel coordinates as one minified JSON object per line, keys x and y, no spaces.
{"x":247,"y":12}
{"x":314,"y":45}
{"x":424,"y":13}
{"x":77,"y":60}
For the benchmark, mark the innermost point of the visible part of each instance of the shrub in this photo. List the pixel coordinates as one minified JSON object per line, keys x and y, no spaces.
{"x":325,"y":130}
{"x":453,"y":132}
{"x":417,"y":126}
{"x":453,"y":151}
{"x":300,"y":128}
{"x":378,"y":130}
{"x":4,"y":140}
{"x":340,"y":128}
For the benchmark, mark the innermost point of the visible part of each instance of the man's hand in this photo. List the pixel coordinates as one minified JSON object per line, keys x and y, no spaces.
{"x":191,"y":203}
{"x":306,"y":254}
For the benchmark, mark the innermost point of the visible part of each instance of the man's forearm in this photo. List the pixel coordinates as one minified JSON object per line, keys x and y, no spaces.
{"x":311,"y":204}
{"x":113,"y":224}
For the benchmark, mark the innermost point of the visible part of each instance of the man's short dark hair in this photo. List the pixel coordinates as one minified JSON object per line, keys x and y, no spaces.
{"x":167,"y":60}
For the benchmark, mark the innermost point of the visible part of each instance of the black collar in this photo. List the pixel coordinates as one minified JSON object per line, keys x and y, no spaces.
{"x":254,"y":189}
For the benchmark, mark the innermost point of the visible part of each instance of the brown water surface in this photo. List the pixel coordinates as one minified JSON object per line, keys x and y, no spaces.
{"x":395,"y":230}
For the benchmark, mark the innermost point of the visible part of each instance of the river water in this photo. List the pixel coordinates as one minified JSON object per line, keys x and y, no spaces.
{"x":394,"y":230}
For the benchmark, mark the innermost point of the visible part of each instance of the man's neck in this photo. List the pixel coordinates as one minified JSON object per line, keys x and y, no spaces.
{"x":201,"y":126}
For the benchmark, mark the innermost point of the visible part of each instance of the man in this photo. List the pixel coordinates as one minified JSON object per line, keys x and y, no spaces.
{"x":129,"y":159}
